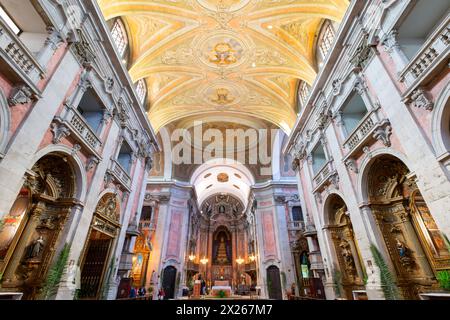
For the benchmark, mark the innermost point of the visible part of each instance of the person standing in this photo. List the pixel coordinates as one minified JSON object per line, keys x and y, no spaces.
{"x":133,"y":293}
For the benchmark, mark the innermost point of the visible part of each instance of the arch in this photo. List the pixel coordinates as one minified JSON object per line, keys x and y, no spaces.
{"x":362,"y":190}
{"x":5,"y":121}
{"x":169,"y":281}
{"x":99,"y":245}
{"x":207,"y":180}
{"x":77,"y":165}
{"x":274,"y":287}
{"x":326,"y":204}
{"x":413,"y":241}
{"x":346,"y":251}
{"x":440,"y":124}
{"x":31,"y":234}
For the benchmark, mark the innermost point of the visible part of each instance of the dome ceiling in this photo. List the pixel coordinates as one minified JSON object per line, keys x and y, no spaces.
{"x":242,"y":58}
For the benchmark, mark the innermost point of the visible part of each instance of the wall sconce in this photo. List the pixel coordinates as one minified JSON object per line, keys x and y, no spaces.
{"x":239,"y":261}
{"x":252,"y":258}
{"x":204,"y":260}
{"x":191,"y":257}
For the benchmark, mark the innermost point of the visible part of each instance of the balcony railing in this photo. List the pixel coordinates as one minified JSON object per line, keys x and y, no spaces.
{"x":296,"y":225}
{"x":324,"y":174}
{"x":17,"y":57}
{"x":147,"y":225}
{"x":365,"y":127}
{"x":78,"y":125}
{"x":120,"y":174}
{"x":434,"y":52}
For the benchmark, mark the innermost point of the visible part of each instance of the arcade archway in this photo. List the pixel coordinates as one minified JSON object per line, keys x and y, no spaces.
{"x":416,"y":246}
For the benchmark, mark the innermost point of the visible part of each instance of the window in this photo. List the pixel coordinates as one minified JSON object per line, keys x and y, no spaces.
{"x":327,"y":39}
{"x":91,"y":108}
{"x":303,"y":93}
{"x":353,"y":113}
{"x":297,"y":214}
{"x":319,"y":159}
{"x":25,"y":21}
{"x":141,"y":90}
{"x":125,"y":157}
{"x":146,"y":214}
{"x":119,"y":36}
{"x":420,"y":24}
{"x":9,"y":21}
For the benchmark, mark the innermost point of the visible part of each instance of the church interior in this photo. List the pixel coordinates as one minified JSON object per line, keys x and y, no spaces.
{"x":224,"y":149}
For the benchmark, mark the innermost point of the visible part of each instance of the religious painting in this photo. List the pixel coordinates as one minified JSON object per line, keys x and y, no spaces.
{"x":11,"y":222}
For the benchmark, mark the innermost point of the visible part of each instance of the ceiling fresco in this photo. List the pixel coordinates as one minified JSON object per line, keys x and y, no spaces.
{"x":239,"y":58}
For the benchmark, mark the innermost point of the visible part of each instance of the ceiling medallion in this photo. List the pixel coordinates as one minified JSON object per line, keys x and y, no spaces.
{"x":222,"y":54}
{"x":226,"y":50}
{"x":223,"y":177}
{"x":221,"y":94}
{"x":222,"y":97}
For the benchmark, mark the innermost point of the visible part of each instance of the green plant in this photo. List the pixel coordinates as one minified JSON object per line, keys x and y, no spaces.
{"x":55,"y":273}
{"x":387,"y":280}
{"x":443,"y":277}
{"x":337,"y":280}
{"x":221,"y":294}
{"x":283,"y":278}
{"x":447,"y":242}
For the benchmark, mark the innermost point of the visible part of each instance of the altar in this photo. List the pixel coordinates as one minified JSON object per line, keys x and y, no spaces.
{"x":221,"y":286}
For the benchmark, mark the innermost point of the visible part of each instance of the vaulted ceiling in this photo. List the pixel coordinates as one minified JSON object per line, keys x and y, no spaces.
{"x":233,"y":58}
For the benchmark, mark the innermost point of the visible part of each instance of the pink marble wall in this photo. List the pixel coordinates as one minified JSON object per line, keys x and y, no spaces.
{"x":173,"y":244}
{"x":270,"y":249}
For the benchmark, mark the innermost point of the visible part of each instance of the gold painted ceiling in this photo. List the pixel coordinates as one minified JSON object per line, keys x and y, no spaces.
{"x":237,"y":58}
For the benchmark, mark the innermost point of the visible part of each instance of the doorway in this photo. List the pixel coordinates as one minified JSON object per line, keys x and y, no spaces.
{"x":274,"y":283}
{"x":169,"y":277}
{"x":94,"y":265}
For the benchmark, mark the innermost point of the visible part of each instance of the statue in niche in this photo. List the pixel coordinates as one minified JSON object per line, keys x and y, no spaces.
{"x":402,"y":249}
{"x":36,"y":248}
{"x":222,"y":250}
{"x":404,"y":253}
{"x":348,"y":256}
{"x":110,"y":210}
{"x":221,"y":209}
{"x":235,"y":209}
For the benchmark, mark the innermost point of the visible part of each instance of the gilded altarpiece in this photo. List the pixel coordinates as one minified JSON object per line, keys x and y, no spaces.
{"x":347,"y":251}
{"x":31,"y":233}
{"x":416,"y":246}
